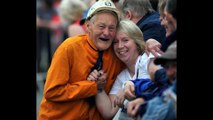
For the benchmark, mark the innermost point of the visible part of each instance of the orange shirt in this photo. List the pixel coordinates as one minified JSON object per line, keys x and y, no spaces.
{"x":66,"y":87}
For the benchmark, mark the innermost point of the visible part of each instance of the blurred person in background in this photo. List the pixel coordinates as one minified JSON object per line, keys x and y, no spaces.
{"x":71,"y":12}
{"x":44,"y":27}
{"x":169,"y":21}
{"x":161,"y":6}
{"x":147,"y":19}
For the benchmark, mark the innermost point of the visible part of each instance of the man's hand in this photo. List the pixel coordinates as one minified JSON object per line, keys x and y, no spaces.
{"x":93,"y":76}
{"x":133,"y":106}
{"x":102,"y":78}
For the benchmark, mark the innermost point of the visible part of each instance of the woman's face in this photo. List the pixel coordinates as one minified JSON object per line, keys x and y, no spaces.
{"x":125,"y":48}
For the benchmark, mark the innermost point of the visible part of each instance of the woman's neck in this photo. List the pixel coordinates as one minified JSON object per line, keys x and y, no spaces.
{"x":131,"y":64}
{"x":131,"y":67}
{"x":131,"y":71}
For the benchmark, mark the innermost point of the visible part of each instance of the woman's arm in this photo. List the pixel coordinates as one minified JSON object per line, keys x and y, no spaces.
{"x":105,"y":105}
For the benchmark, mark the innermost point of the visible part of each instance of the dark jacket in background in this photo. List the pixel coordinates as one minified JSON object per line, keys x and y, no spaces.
{"x":151,"y":27}
{"x":169,"y":40}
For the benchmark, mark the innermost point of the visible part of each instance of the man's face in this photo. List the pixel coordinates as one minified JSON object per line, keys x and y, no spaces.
{"x":171,"y":69}
{"x":102,"y":30}
{"x":168,"y":22}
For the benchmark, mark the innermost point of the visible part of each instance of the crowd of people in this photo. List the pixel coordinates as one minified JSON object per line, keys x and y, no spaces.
{"x":116,"y":62}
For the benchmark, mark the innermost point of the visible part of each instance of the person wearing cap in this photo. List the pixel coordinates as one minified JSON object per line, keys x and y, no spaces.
{"x":67,"y":89}
{"x":164,"y":105}
{"x":168,"y":61}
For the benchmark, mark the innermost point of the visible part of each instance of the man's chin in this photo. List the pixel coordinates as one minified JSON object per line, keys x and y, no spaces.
{"x":103,"y":46}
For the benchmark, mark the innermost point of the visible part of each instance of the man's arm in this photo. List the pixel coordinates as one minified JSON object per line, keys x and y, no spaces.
{"x":59,"y":86}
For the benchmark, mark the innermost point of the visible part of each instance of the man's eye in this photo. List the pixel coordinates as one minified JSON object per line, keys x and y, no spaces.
{"x":112,"y":28}
{"x":101,"y":26}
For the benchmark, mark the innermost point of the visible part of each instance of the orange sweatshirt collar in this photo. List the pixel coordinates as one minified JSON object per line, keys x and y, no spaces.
{"x":91,"y":44}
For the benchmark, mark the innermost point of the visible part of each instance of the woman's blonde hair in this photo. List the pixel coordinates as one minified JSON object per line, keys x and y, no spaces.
{"x":134,"y":32}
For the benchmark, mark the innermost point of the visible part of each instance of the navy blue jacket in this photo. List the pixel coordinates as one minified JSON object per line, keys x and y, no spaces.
{"x":151,"y":27}
{"x":169,"y":40}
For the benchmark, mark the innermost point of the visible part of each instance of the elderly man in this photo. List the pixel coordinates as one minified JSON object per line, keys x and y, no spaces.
{"x":66,"y":91}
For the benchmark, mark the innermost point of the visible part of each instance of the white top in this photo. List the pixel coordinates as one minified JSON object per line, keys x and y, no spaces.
{"x":141,"y":66}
